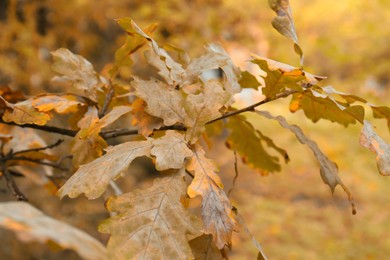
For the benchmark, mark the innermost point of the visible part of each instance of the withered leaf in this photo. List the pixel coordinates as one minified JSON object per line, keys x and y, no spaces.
{"x":247,"y":141}
{"x":76,"y":70}
{"x":247,"y":80}
{"x":162,"y":101}
{"x":382,"y":112}
{"x":328,"y":169}
{"x":170,"y":151}
{"x":281,"y":77}
{"x":59,"y":103}
{"x":216,"y":208}
{"x":284,"y":22}
{"x":369,"y":139}
{"x":203,"y":248}
{"x":151,"y":223}
{"x":204,"y":107}
{"x":88,"y":145}
{"x":316,"y":106}
{"x":146,"y":123}
{"x":30,"y":224}
{"x":92,"y":178}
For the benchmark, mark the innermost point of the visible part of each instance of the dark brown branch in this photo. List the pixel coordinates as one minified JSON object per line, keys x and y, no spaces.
{"x":40,"y":148}
{"x":22,"y":158}
{"x":190,"y":174}
{"x":46,"y":128}
{"x":11,"y":184}
{"x":236,"y":173}
{"x":108,"y":134}
{"x":252,"y":107}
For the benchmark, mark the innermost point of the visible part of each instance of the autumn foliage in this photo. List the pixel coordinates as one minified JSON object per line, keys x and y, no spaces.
{"x":173,"y":117}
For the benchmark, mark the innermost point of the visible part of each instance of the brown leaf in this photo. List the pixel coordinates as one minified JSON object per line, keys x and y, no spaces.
{"x":76,"y":70}
{"x":203,"y":248}
{"x":151,"y":223}
{"x":216,"y":209}
{"x":370,"y":140}
{"x":204,"y":107}
{"x":30,"y":224}
{"x":145,"y":122}
{"x":170,"y":151}
{"x":59,"y":103}
{"x":162,"y":101}
{"x":328,"y":169}
{"x":284,"y":22}
{"x":92,"y":178}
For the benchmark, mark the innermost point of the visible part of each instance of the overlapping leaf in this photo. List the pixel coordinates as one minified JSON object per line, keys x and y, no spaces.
{"x":88,"y":144}
{"x":328,"y":169}
{"x":77,"y":71}
{"x":30,"y":224}
{"x":170,"y":151}
{"x":248,"y":142}
{"x":281,"y":77}
{"x":151,"y":223}
{"x":204,"y":248}
{"x":216,"y":209}
{"x":370,"y":140}
{"x":316,"y":106}
{"x":93,"y":178}
{"x":146,"y":123}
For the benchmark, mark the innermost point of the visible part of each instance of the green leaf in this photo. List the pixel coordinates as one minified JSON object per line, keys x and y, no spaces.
{"x":247,"y":141}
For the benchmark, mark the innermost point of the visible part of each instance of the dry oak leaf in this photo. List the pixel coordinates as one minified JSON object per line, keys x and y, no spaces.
{"x":78,"y":71}
{"x":203,"y":248}
{"x":146,"y":123}
{"x":204,"y":107}
{"x":59,"y":103}
{"x":88,"y":145}
{"x":170,"y":151}
{"x":217,"y":214}
{"x":369,"y":139}
{"x":151,"y":223}
{"x":162,"y":100}
{"x":30,"y":224}
{"x":23,"y":113}
{"x":92,"y":178}
{"x":328,"y":169}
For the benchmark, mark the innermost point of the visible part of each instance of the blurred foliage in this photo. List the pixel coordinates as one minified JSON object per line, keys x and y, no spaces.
{"x":345,"y":40}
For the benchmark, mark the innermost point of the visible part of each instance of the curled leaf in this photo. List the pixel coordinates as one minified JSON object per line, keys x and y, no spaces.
{"x":369,"y":139}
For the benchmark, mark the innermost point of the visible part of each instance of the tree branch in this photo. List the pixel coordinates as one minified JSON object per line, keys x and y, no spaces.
{"x":46,"y":128}
{"x":11,"y":184}
{"x":22,"y":158}
{"x":40,"y":148}
{"x":107,"y":100}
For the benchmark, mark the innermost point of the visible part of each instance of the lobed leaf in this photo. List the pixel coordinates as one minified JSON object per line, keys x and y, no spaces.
{"x":203,"y":248}
{"x":30,"y":224}
{"x":151,"y":223}
{"x":247,"y":141}
{"x":170,"y":151}
{"x":146,"y":123}
{"x":328,"y":169}
{"x":369,"y":139}
{"x":216,"y":208}
{"x":92,"y":178}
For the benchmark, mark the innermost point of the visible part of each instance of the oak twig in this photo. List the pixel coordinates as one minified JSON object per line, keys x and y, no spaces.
{"x":59,"y":141}
{"x":11,"y":183}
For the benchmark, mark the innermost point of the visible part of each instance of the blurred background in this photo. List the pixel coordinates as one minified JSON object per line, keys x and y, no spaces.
{"x":292,"y":213}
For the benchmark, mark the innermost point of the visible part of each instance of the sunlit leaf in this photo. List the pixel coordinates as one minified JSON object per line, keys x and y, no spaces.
{"x":170,"y":151}
{"x":92,"y":178}
{"x":151,"y":223}
{"x":247,"y":80}
{"x":30,"y":224}
{"x":370,"y":140}
{"x":216,"y":209}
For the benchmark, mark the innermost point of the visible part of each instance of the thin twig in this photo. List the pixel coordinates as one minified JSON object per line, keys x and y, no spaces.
{"x":22,"y":158}
{"x":236,"y":173}
{"x":190,"y":174}
{"x":40,"y":148}
{"x":11,"y":184}
{"x":46,"y":128}
{"x":107,"y":100}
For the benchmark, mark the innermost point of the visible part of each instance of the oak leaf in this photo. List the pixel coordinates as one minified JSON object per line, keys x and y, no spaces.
{"x":328,"y":168}
{"x":151,"y":223}
{"x":248,"y":142}
{"x":369,"y":139}
{"x":203,"y":248}
{"x":30,"y":224}
{"x":146,"y":123}
{"x":170,"y":151}
{"x":216,"y":208}
{"x":78,"y":71}
{"x":92,"y":178}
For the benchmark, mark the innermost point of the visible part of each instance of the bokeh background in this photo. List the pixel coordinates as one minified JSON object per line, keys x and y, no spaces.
{"x":292,"y":213}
